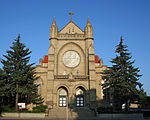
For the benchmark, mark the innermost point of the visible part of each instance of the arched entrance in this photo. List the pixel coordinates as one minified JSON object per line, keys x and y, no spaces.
{"x":63,"y":97}
{"x":80,"y":97}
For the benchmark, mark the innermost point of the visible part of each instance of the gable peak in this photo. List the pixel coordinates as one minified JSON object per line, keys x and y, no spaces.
{"x":71,"y":28}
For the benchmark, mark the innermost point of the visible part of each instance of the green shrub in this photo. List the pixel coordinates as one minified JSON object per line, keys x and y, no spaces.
{"x":40,"y":108}
{"x":8,"y":108}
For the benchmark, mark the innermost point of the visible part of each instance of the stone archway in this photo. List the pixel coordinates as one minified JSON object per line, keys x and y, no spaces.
{"x":80,"y":97}
{"x":61,"y":68}
{"x":62,"y":97}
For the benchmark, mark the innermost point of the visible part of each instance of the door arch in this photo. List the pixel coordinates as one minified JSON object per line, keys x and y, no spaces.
{"x":63,"y":97}
{"x":80,"y":97}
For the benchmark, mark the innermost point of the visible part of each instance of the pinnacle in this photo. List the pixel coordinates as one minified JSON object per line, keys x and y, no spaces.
{"x":88,"y":22}
{"x":54,"y":22}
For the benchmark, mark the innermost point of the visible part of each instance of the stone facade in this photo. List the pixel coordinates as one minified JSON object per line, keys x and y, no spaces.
{"x":70,"y":75}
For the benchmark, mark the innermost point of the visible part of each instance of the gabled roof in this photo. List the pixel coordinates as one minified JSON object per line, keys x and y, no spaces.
{"x":71,"y":24}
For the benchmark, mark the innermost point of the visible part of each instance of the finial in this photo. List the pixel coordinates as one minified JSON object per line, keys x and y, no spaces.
{"x":71,"y":13}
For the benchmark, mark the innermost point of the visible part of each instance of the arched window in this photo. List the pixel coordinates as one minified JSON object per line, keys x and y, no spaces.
{"x":62,"y":98}
{"x":79,"y":98}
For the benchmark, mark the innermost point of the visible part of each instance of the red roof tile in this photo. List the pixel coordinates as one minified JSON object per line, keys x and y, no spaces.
{"x":45,"y":59}
{"x":96,"y":59}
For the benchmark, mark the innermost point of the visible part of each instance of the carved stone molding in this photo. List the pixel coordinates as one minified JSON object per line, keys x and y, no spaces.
{"x":61,"y":76}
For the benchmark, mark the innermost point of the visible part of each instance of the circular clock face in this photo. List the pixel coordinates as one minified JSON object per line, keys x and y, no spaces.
{"x":71,"y":59}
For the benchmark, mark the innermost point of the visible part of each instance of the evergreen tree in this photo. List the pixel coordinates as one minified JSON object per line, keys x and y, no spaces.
{"x":2,"y":90}
{"x":20,"y":75}
{"x":123,"y":79}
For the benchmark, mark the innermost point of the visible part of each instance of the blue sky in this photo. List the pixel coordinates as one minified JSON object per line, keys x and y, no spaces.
{"x":110,"y":19}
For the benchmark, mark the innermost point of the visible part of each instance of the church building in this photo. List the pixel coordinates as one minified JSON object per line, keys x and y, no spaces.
{"x":70,"y":75}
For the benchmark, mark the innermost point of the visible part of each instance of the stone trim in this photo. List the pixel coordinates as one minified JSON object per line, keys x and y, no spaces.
{"x":62,"y":85}
{"x":89,"y":38}
{"x":75,"y":77}
{"x":53,"y":38}
{"x":71,"y":36}
{"x":61,"y":76}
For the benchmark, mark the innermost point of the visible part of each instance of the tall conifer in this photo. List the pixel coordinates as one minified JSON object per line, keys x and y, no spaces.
{"x":20,"y":74}
{"x":123,"y":78}
{"x":3,"y":90}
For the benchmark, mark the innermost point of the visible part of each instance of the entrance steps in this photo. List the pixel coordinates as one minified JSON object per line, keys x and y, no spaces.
{"x":78,"y":112}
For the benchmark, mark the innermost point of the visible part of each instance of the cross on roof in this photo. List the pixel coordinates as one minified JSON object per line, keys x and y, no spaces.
{"x":71,"y":13}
